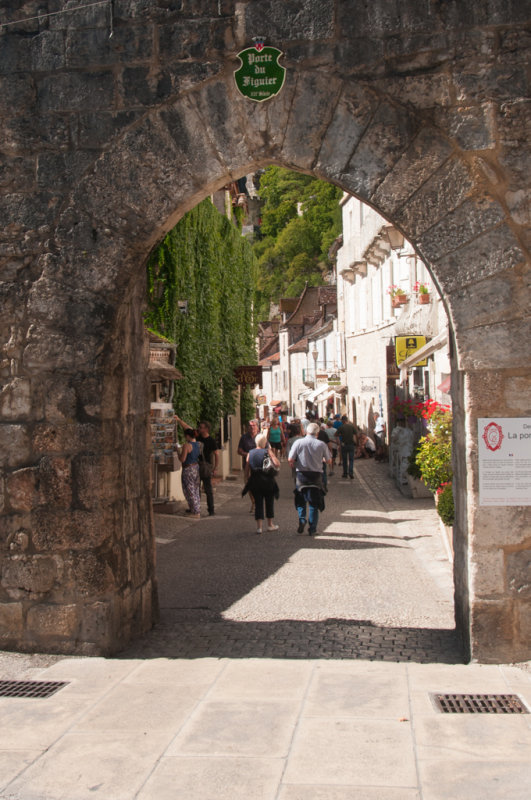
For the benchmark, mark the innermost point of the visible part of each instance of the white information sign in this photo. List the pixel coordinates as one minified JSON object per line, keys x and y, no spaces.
{"x":504,"y":450}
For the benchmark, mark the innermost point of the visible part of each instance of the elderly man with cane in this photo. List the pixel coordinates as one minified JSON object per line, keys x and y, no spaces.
{"x":307,"y":456}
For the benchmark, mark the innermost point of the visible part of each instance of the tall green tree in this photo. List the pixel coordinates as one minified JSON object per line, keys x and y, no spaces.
{"x":205,"y":263}
{"x":301,"y":218}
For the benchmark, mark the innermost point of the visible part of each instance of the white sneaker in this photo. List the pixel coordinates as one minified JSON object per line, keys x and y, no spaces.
{"x":272,"y":527}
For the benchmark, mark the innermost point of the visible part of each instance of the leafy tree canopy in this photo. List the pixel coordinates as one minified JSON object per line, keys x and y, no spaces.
{"x":301,"y":218}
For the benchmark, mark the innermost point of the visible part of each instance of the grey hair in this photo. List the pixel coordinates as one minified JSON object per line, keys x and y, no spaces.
{"x":260,"y":439}
{"x":313,"y":429}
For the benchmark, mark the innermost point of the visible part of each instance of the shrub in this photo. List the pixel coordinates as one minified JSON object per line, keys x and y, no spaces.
{"x":413,"y":468}
{"x":434,"y":457}
{"x":445,"y":504}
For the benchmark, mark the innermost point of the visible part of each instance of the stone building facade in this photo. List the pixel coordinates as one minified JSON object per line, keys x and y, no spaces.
{"x":417,"y":108}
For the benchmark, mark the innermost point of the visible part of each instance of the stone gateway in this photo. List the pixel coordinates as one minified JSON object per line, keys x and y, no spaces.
{"x":419,"y":109}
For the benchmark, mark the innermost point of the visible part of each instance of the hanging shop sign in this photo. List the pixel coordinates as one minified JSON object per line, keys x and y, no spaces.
{"x":504,"y":453}
{"x":261,"y":400}
{"x":405,"y":346}
{"x":393,"y":372}
{"x":260,"y":76}
{"x":334,"y":379}
{"x":248,"y":376}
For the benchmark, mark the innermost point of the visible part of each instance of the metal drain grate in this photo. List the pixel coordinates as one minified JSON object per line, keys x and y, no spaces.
{"x":479,"y":704}
{"x":37,"y":689}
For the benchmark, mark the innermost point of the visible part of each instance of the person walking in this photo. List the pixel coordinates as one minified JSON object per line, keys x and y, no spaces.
{"x":307,"y":456}
{"x":245,"y":445}
{"x":347,"y":436}
{"x":379,"y":436}
{"x":275,"y":436}
{"x":331,"y":433}
{"x":262,"y":485}
{"x":208,"y":459}
{"x":189,"y":458}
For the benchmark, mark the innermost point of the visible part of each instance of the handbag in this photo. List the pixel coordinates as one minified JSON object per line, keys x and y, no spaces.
{"x":268,"y":468}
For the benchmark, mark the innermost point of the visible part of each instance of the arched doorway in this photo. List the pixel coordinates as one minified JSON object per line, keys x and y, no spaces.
{"x":77,"y":563}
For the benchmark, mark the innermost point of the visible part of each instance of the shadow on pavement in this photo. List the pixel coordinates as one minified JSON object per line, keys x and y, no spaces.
{"x":325,"y":639}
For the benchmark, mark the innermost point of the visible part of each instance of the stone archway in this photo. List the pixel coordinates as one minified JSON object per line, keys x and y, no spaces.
{"x":421,"y":120}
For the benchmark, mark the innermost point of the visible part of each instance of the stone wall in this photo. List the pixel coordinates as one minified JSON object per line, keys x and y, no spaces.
{"x":419,"y":109}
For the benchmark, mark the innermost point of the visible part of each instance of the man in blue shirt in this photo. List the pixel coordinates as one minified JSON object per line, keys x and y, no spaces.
{"x":307,"y":456}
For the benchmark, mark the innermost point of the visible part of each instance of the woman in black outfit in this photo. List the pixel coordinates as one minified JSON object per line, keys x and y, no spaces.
{"x":263,"y":487}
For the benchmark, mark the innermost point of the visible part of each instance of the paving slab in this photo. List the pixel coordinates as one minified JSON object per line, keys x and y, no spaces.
{"x":364,"y":752}
{"x":99,"y":764}
{"x":238,"y":728}
{"x":214,"y":779}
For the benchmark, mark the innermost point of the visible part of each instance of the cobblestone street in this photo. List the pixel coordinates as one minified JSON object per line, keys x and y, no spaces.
{"x":376,"y":583}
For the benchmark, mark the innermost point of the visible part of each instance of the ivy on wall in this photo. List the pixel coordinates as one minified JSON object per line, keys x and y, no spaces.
{"x":200,"y":291}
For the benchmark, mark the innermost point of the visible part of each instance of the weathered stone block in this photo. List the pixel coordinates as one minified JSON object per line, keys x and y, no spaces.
{"x":17,"y":174}
{"x":15,"y":399}
{"x":33,"y":576}
{"x":55,"y":482}
{"x":489,"y":521}
{"x":54,"y":621}
{"x":471,"y":128}
{"x":519,"y":573}
{"x":47,"y":51}
{"x":65,"y":438}
{"x":59,"y":530}
{"x":76,"y":91}
{"x":98,"y":127}
{"x":492,"y":631}
{"x":62,"y":169}
{"x":524,"y":628}
{"x":16,"y":90}
{"x":15,"y":446}
{"x":97,"y":623}
{"x":189,"y":39}
{"x":439,"y":196}
{"x":467,"y":222}
{"x":390,"y":132}
{"x":351,"y":117}
{"x":422,"y":158}
{"x":93,"y":46}
{"x":517,"y":395}
{"x":47,"y":131}
{"x":495,"y":251}
{"x":310,"y":19}
{"x":508,"y":346}
{"x":22,"y":489}
{"x":487,"y":573}
{"x":473,"y":304}
{"x":89,"y":573}
{"x":11,"y":621}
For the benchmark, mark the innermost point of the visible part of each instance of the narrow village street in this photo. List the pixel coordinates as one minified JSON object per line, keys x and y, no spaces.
{"x":376,"y":582}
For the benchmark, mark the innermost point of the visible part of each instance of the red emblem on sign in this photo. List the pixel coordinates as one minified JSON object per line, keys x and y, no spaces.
{"x":493,"y":436}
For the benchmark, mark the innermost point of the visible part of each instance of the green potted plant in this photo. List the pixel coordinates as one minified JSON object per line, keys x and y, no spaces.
{"x":423,"y":292}
{"x":398,"y":295}
{"x":434,"y":457}
{"x":414,"y":476}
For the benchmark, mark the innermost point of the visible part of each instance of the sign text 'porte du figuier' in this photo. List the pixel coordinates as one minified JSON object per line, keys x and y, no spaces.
{"x":260,"y":76}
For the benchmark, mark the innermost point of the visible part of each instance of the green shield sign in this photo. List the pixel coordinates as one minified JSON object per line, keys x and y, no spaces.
{"x":260,"y":76}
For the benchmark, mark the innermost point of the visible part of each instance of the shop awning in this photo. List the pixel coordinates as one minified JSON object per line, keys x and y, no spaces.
{"x":423,"y":352}
{"x":317,"y":392}
{"x":162,"y":371}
